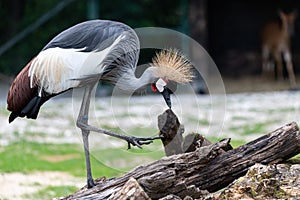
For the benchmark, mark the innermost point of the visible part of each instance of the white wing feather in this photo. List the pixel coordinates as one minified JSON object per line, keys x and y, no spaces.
{"x":55,"y":69}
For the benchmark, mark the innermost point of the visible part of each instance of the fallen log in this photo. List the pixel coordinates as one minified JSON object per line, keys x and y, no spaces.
{"x":272,"y":148}
{"x":206,"y":168}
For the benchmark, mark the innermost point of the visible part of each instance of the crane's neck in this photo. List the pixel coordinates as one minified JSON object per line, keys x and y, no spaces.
{"x":129,"y":81}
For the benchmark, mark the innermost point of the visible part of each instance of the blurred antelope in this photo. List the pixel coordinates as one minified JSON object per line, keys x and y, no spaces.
{"x":276,"y":43}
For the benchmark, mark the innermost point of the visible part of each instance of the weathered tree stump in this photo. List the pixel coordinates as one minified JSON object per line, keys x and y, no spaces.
{"x":171,"y":131}
{"x":208,"y":168}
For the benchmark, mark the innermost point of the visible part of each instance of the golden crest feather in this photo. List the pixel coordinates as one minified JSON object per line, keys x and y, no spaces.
{"x":172,"y":65}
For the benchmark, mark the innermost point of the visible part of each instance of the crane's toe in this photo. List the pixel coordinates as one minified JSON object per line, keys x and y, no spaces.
{"x":136,"y":141}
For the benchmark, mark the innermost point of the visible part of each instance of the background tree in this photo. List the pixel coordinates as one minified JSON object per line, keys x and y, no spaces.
{"x":17,"y":15}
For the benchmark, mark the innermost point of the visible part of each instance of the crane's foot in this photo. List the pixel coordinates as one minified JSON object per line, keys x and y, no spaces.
{"x":137,"y":141}
{"x":90,"y":183}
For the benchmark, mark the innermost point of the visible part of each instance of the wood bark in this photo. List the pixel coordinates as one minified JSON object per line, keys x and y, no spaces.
{"x":131,"y":190}
{"x":206,"y":168}
{"x":171,"y":131}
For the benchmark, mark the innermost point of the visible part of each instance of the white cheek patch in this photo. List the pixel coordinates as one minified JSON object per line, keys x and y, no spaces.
{"x":160,"y":85}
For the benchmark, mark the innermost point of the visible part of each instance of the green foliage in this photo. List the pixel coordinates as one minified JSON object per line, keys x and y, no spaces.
{"x":23,"y":13}
{"x":141,"y":13}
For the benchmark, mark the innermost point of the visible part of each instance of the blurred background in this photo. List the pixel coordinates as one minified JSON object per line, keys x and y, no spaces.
{"x":42,"y":159}
{"x":230,"y":31}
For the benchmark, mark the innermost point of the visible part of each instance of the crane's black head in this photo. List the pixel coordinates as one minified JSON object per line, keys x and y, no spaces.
{"x":166,"y":88}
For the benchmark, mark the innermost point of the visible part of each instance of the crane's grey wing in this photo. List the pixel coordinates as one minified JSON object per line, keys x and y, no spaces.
{"x":97,"y":35}
{"x":94,"y":35}
{"x":49,"y":76}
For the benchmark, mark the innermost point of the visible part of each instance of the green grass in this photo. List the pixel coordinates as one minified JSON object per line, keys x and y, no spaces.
{"x":28,"y":157}
{"x":202,"y":122}
{"x":143,"y":131}
{"x":51,"y":191}
{"x":256,"y":128}
{"x":249,"y":129}
{"x":281,"y":110}
{"x":135,"y":131}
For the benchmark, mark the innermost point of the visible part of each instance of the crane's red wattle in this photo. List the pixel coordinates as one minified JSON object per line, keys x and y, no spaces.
{"x":153,"y":87}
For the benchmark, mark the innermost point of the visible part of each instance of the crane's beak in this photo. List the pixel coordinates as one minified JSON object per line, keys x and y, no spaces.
{"x":167,"y":96}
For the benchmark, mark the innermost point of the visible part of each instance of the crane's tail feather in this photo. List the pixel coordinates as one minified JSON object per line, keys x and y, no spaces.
{"x":12,"y":116}
{"x":31,"y":110}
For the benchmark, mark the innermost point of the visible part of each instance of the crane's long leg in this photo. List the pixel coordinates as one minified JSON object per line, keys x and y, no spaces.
{"x":83,"y":118}
{"x":135,"y":141}
{"x":82,"y":123}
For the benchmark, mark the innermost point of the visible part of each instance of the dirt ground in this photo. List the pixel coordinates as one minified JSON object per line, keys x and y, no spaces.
{"x":16,"y":185}
{"x":254,"y":84}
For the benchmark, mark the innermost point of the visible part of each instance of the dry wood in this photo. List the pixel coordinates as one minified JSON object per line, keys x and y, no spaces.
{"x":131,"y":190}
{"x":272,"y":148}
{"x":171,"y":130}
{"x":207,"y":168}
{"x":159,"y":178}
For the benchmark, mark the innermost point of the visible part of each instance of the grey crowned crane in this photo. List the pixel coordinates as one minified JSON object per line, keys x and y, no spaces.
{"x":81,"y":56}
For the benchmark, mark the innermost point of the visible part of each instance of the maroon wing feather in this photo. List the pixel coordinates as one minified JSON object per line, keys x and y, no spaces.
{"x":23,"y":100}
{"x":20,"y":93}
